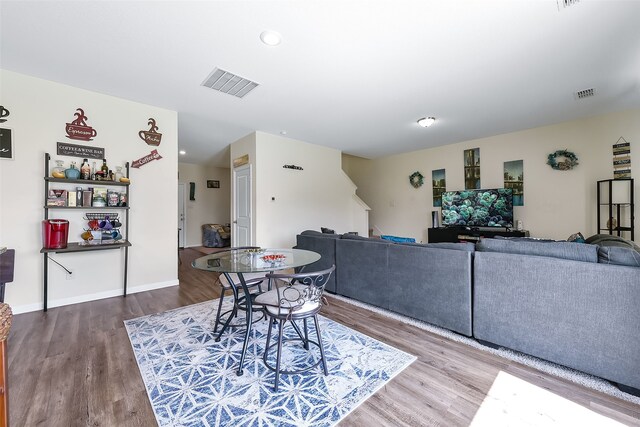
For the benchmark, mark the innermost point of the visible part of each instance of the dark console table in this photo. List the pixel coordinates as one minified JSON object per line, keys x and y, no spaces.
{"x":461,"y":234}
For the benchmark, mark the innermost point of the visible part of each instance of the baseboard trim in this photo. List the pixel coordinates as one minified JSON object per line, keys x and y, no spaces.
{"x":27,"y":308}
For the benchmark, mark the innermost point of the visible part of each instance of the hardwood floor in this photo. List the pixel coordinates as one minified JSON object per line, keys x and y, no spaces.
{"x":73,"y":366}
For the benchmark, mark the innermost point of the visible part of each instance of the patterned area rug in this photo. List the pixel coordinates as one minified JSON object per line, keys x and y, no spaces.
{"x":191,"y":379}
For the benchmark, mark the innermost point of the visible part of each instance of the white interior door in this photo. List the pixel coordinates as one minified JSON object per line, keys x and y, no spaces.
{"x":242,"y":206}
{"x":182,"y":220}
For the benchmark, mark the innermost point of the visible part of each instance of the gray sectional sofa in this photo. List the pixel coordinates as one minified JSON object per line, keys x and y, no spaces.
{"x":574,"y":304}
{"x":430,"y":282}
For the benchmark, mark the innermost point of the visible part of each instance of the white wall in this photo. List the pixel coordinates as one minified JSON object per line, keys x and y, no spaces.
{"x":557,"y":203}
{"x":288,"y":201}
{"x":39,"y":111}
{"x":212,"y":205}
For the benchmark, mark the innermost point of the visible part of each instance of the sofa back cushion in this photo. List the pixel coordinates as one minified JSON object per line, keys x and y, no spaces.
{"x":462,"y":246}
{"x":618,"y":256}
{"x":314,"y":233}
{"x":563,"y":250}
{"x":365,"y":239}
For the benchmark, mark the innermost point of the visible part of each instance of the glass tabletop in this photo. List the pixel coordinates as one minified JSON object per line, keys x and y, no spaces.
{"x":264,"y":260}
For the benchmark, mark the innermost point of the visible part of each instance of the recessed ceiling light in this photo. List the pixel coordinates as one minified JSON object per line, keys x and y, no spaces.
{"x":425,"y":122}
{"x":182,"y":152}
{"x":270,"y":38}
{"x":283,"y":132}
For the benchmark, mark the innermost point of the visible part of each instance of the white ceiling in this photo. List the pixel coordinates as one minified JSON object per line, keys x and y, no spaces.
{"x":353,"y":75}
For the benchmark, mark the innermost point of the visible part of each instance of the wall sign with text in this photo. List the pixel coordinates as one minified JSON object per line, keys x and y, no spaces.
{"x":79,"y":129}
{"x":151,"y":136}
{"x":6,"y":144}
{"x":84,"y":151}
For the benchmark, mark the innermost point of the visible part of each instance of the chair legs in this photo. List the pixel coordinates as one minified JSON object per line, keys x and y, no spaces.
{"x":215,"y":327}
{"x":324,"y":361}
{"x":305,"y":340}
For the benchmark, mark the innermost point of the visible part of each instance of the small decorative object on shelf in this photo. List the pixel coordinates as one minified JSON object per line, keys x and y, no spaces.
{"x":85,"y":170}
{"x":416,"y":179}
{"x":58,"y":171}
{"x":570,"y":160}
{"x":72,"y":172}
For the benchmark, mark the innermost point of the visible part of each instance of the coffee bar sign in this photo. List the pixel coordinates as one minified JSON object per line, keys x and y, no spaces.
{"x":84,"y":151}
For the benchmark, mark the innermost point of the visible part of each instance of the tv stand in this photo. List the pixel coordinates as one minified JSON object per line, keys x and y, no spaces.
{"x":467,"y":234}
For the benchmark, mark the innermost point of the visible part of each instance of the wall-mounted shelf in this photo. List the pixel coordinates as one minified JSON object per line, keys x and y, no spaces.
{"x":82,"y":246}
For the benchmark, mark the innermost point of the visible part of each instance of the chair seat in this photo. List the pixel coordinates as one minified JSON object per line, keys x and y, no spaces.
{"x":289,"y":296}
{"x":251,"y":279}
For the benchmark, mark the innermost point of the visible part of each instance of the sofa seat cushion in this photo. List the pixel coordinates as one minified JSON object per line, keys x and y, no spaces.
{"x":562,"y":250}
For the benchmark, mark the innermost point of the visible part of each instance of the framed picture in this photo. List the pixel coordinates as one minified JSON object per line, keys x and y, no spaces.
{"x":213,"y":184}
{"x":6,"y":144}
{"x":439,"y":185}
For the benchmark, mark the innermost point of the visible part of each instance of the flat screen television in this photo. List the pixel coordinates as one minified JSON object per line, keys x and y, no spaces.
{"x":478,"y":208}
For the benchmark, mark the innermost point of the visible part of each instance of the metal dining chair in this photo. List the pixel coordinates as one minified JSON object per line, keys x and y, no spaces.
{"x":295,"y":297}
{"x":230,"y":282}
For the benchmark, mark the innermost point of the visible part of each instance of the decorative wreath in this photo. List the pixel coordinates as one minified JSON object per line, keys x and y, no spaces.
{"x":416,"y":179}
{"x":570,"y":160}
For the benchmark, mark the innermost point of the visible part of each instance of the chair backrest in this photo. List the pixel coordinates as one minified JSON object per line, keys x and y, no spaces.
{"x":301,"y":288}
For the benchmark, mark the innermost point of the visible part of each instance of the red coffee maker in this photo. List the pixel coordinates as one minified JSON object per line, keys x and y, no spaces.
{"x":55,"y":233}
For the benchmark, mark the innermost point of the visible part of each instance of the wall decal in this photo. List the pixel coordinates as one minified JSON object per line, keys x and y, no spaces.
{"x":472,"y":169}
{"x":514,"y":179}
{"x":146,"y":159}
{"x":79,"y":129}
{"x":84,"y":151}
{"x":6,"y":144}
{"x":213,"y":183}
{"x":151,"y":136}
{"x":242,"y":160}
{"x":298,"y":168}
{"x":192,"y":191}
{"x":3,"y":114}
{"x":439,"y":185}
{"x":621,"y":159}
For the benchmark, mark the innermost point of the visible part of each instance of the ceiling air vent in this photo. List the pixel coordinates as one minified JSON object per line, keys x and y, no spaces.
{"x":226,"y":82}
{"x":585,"y":93}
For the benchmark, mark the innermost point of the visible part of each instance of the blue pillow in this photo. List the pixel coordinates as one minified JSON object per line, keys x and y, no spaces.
{"x":399,"y":239}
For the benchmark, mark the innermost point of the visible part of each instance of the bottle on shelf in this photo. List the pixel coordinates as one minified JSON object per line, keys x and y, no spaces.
{"x":72,"y":172}
{"x":104,"y":168}
{"x":111,"y":175}
{"x":85,"y":170}
{"x":93,"y":171}
{"x":118,"y":174}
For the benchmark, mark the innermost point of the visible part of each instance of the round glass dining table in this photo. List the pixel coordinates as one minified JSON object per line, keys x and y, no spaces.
{"x":241,"y":261}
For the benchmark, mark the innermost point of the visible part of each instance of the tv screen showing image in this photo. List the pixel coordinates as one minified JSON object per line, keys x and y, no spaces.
{"x":478,"y":208}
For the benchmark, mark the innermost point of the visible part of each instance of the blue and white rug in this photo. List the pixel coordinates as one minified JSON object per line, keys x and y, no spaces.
{"x":191,"y":379}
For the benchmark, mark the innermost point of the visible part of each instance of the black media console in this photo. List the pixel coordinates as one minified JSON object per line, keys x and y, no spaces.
{"x":465,"y":234}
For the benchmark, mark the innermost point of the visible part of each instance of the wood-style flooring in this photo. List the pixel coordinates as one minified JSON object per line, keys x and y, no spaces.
{"x":73,"y":366}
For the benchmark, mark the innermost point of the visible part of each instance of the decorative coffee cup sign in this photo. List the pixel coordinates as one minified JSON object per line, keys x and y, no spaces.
{"x":4,"y":113}
{"x":79,"y":129}
{"x":151,"y":136}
